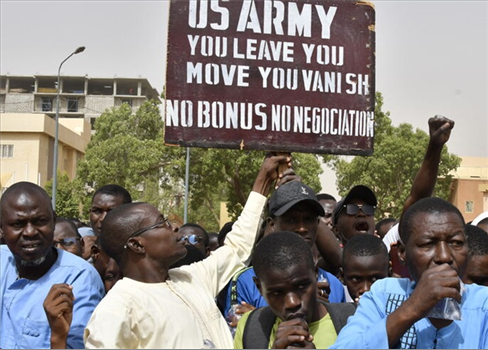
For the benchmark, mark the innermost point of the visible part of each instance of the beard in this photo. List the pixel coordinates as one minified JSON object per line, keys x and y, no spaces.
{"x":32,"y":263}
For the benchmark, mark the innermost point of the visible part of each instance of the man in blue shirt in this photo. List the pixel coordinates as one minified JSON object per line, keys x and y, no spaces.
{"x":435,"y":310}
{"x":292,"y":207}
{"x":30,"y":266}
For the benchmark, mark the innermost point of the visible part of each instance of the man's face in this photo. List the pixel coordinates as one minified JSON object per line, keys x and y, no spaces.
{"x":477,"y":270}
{"x":349,"y":225}
{"x":112,"y":274}
{"x":291,"y":292}
{"x":301,"y":219}
{"x":162,"y":243}
{"x":435,"y":239}
{"x":101,"y":205}
{"x":328,"y":205}
{"x":188,"y":231}
{"x":28,"y":227}
{"x":360,"y":272}
{"x":66,"y":238}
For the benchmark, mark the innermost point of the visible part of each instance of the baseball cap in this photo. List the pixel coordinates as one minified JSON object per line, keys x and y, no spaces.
{"x":86,"y":231}
{"x":359,"y":192}
{"x":291,"y":193}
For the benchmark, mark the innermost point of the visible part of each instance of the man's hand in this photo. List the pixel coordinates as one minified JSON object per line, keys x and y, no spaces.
{"x":269,"y":172}
{"x":323,"y":290}
{"x":293,"y":334}
{"x":434,"y":285}
{"x":440,"y":129}
{"x":58,"y":306}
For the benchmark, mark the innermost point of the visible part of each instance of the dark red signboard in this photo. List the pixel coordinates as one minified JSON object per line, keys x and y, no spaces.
{"x":272,"y":75}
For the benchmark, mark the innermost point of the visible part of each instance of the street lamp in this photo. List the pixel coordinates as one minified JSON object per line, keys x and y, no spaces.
{"x":56,"y":138}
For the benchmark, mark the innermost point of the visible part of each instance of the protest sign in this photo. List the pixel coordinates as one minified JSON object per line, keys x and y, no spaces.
{"x":272,"y":75}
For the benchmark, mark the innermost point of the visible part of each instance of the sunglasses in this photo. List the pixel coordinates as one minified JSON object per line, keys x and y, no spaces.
{"x":353,"y":209}
{"x":66,"y":242}
{"x":192,"y":239}
{"x":161,"y":224}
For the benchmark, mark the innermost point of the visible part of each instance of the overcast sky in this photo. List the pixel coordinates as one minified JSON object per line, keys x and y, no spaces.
{"x":431,"y":56}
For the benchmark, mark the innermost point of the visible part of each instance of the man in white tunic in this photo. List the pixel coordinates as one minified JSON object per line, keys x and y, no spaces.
{"x":154,"y":307}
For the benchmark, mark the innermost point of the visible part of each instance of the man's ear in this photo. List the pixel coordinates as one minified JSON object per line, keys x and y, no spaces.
{"x":341,"y":274}
{"x":136,"y":245}
{"x":401,"y":252}
{"x":390,"y":269}
{"x":271,"y":224}
{"x":257,"y":282}
{"x":94,"y":251}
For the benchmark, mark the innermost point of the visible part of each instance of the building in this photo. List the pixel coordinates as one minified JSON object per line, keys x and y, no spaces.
{"x":80,"y":96}
{"x":27,"y":120}
{"x":469,"y":188}
{"x":27,"y":147}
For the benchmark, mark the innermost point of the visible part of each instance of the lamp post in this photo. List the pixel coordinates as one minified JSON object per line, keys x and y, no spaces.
{"x":56,"y":137}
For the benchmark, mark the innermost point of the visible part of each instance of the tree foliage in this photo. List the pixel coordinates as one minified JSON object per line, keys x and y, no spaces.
{"x":390,"y":171}
{"x":67,"y":196}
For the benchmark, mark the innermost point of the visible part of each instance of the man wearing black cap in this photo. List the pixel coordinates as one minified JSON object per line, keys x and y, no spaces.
{"x":292,"y":207}
{"x":354,"y":214}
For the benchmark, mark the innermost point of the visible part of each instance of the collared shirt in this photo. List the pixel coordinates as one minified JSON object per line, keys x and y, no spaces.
{"x":366,"y":329}
{"x":24,"y":322}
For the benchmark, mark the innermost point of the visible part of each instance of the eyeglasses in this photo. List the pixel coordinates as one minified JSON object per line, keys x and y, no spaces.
{"x":66,"y":242}
{"x":192,"y":239}
{"x":163,"y":223}
{"x":353,"y":209}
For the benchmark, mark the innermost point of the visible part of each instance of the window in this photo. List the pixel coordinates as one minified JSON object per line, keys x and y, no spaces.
{"x":469,"y":207}
{"x":47,"y":104}
{"x":7,"y":151}
{"x":129,"y":102}
{"x":72,"y":105}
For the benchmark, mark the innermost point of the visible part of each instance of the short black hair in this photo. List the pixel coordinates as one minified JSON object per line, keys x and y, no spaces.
{"x":364,"y":245}
{"x":206,"y":238}
{"x":430,"y":205}
{"x":70,"y":223}
{"x":224,"y":231}
{"x":114,"y":190}
{"x":325,"y":197}
{"x":477,"y":240}
{"x":119,"y":224}
{"x":384,"y":222}
{"x":280,"y":250}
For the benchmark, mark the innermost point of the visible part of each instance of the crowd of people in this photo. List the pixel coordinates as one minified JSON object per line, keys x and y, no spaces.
{"x":295,"y":270}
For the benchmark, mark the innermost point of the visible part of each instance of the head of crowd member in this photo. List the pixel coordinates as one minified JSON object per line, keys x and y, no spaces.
{"x":286,"y":276}
{"x":27,"y":225}
{"x":224,"y":231}
{"x":328,"y":203}
{"x":66,"y":236}
{"x":196,"y":236}
{"x":364,"y":261}
{"x":193,"y":254}
{"x":354,"y":214}
{"x":88,"y":237}
{"x":214,"y":241}
{"x":107,"y":268}
{"x":105,"y":199}
{"x":432,"y":233}
{"x":383,"y":226}
{"x":78,"y":223}
{"x":141,"y":241}
{"x":477,"y":269}
{"x":483,"y":224}
{"x":294,"y":207}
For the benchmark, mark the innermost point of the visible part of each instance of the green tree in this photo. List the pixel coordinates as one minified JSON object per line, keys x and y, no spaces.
{"x":390,"y":171}
{"x":68,"y":196}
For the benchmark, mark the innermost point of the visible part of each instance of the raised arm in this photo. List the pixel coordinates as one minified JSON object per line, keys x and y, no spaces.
{"x":423,"y":185}
{"x":58,"y":306}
